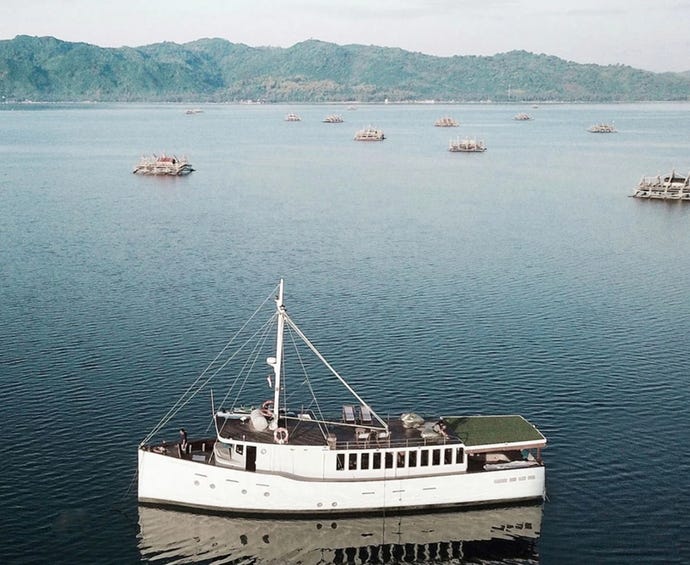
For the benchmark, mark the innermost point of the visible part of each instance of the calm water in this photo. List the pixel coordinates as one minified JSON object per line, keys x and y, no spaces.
{"x":521,"y":280}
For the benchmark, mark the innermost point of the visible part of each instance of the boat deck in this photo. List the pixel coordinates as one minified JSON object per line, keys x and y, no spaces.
{"x":335,"y":435}
{"x":477,"y":433}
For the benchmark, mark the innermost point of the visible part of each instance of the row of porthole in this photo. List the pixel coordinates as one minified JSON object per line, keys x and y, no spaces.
{"x":244,"y":491}
{"x":212,"y":486}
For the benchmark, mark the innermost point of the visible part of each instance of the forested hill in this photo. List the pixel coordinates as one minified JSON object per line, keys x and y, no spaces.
{"x":47,"y":69}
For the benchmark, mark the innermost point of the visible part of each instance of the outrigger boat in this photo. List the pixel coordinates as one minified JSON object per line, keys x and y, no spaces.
{"x":446,"y":122}
{"x":668,"y":187}
{"x":603,"y":128}
{"x":282,"y":458}
{"x":333,"y":119}
{"x":466,"y":145}
{"x":163,"y":165}
{"x":369,"y":134}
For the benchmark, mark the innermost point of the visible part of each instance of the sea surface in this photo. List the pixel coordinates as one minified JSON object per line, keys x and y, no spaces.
{"x":523,"y":280}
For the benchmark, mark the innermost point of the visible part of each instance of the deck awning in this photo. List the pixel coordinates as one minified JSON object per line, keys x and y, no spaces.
{"x":492,"y":433}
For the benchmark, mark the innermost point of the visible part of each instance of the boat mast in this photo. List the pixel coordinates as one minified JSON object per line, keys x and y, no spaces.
{"x":279,"y":353}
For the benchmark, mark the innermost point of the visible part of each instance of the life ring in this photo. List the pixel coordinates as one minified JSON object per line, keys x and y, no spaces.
{"x":267,"y":409}
{"x":280,"y":435}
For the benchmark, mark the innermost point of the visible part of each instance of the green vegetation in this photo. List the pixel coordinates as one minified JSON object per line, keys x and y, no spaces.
{"x":215,"y":70}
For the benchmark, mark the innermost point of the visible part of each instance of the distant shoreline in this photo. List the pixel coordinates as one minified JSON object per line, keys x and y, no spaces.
{"x":313,"y":72}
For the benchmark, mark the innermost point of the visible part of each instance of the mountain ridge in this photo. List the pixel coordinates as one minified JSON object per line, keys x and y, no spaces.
{"x":217,"y":70}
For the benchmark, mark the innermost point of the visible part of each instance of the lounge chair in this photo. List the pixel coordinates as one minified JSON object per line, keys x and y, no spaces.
{"x":349,"y":414}
{"x":365,"y":414}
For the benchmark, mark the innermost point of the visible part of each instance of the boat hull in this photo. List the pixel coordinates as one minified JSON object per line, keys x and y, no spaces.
{"x":180,"y":482}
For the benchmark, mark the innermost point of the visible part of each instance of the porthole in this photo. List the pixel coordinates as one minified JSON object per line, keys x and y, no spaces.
{"x":212,"y":486}
{"x":196,"y":483}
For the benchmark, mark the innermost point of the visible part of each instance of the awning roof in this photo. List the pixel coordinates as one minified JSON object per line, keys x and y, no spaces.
{"x":484,"y":433}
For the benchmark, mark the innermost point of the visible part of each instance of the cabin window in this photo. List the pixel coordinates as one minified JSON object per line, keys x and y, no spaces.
{"x":377,"y":460}
{"x":364,"y":463}
{"x":412,"y":459}
{"x":389,"y":459}
{"x":352,"y":462}
{"x":401,"y":459}
{"x":340,"y":461}
{"x":436,"y":457}
{"x":239,"y":449}
{"x":424,"y":458}
{"x":448,"y":456}
{"x":459,"y":455}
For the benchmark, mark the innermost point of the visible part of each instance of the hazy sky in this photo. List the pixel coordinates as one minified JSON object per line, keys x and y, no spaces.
{"x":647,"y":34}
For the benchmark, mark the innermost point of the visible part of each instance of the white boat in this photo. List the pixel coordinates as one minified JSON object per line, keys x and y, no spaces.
{"x":163,"y":165}
{"x":670,"y":187}
{"x":333,"y":119}
{"x":446,"y":122}
{"x":280,"y":458}
{"x":292,"y":117}
{"x":186,"y":537}
{"x":522,"y":117}
{"x":466,"y":145}
{"x":603,"y":128}
{"x":369,"y":133}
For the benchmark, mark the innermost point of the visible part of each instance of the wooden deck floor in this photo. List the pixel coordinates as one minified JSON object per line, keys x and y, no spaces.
{"x":345,"y":436}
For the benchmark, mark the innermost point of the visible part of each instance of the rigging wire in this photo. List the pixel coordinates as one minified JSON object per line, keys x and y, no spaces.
{"x":311,"y":346}
{"x":308,"y":382}
{"x":183,"y":400}
{"x":248,"y":365}
{"x":251,"y":361}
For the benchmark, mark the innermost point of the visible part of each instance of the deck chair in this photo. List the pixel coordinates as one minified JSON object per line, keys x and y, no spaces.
{"x":362,"y":435}
{"x":383,"y":438}
{"x":365,"y":414}
{"x":348,"y":414}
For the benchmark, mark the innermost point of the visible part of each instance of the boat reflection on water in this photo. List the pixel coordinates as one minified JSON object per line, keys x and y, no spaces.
{"x":495,"y":535}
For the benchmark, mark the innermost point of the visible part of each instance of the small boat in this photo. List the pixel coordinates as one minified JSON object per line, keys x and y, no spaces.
{"x":193,"y":111}
{"x":670,"y":187}
{"x":291,"y":117}
{"x":522,"y":117}
{"x":446,"y":122}
{"x":333,"y":119}
{"x":466,"y":145}
{"x":369,"y":134}
{"x":163,"y":165}
{"x":331,"y":454}
{"x":603,"y":128}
